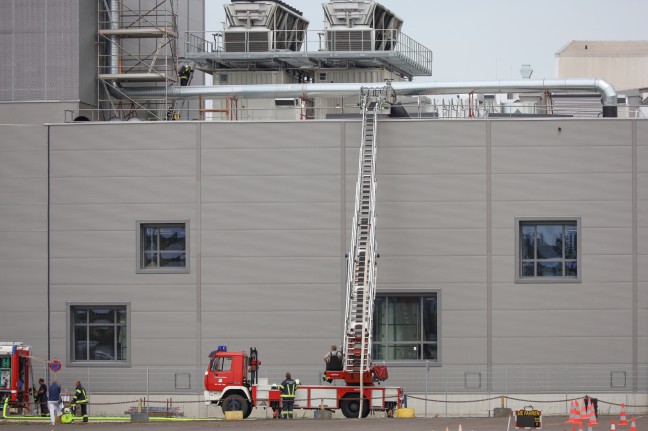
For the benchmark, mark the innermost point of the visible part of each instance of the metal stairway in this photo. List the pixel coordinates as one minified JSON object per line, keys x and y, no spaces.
{"x":361,"y":260}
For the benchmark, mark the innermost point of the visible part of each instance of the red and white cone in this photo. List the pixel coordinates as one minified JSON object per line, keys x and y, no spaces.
{"x":572,"y":411}
{"x":583,"y":414}
{"x":592,"y":415}
{"x":622,"y":420}
{"x":612,"y":427}
{"x":633,"y":425}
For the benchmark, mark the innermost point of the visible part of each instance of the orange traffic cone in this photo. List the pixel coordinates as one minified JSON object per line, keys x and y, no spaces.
{"x":577,"y":416}
{"x":572,"y":414}
{"x":592,"y":415}
{"x":583,"y":413}
{"x":622,"y":420}
{"x":633,"y":425}
{"x":612,"y":427}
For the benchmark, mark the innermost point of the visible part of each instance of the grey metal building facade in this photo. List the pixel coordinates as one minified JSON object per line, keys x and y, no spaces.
{"x":266,"y":209}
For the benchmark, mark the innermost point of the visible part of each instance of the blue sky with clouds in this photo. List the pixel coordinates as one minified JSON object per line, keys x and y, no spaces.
{"x":489,"y":40}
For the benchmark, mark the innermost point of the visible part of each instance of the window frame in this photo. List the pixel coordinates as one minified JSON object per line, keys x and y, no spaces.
{"x":519,"y":221}
{"x":70,"y":341}
{"x":139,"y":269}
{"x":414,"y":362}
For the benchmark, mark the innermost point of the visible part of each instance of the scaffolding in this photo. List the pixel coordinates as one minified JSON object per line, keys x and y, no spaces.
{"x":136,"y":46}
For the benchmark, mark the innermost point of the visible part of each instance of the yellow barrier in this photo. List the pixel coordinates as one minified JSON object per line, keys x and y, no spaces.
{"x":405,"y":413}
{"x":234,"y":416}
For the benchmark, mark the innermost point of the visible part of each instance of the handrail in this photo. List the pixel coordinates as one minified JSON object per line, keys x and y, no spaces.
{"x":321,"y":41}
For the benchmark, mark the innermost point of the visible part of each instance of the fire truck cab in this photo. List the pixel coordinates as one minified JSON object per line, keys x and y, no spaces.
{"x":15,"y":366}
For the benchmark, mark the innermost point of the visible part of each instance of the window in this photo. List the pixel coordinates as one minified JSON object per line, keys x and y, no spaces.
{"x":162,"y":247}
{"x":548,"y":250}
{"x":99,"y":333}
{"x":223,"y":363}
{"x":405,"y":327}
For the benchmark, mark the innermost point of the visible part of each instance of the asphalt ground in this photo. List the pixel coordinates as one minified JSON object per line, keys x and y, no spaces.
{"x":553,"y":423}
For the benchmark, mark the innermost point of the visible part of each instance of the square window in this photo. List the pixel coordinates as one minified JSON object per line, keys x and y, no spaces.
{"x":162,"y":247}
{"x":406,"y":327}
{"x":99,"y":334}
{"x":548,"y":250}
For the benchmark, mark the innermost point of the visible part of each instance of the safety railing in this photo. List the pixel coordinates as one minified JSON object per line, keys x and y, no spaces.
{"x":413,"y":378}
{"x":433,"y":391}
{"x":241,"y":111}
{"x":330,"y":40}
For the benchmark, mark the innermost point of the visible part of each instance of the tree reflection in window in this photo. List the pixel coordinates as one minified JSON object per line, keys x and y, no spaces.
{"x":548,"y":249}
{"x":99,"y":333}
{"x":164,"y":245}
{"x":405,"y":327}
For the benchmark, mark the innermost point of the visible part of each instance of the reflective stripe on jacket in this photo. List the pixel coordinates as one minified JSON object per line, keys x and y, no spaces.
{"x":80,"y":396}
{"x":288,"y":388}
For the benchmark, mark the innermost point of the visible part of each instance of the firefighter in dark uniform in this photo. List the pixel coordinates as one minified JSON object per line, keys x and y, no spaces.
{"x":288,"y":388}
{"x":80,"y":398}
{"x":185,"y":75}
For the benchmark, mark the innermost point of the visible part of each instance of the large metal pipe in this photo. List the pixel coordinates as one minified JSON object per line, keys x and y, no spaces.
{"x":608,"y":94}
{"x":114,"y":41}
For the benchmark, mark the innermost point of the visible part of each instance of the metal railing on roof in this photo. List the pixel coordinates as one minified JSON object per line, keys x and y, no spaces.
{"x":316,"y":46}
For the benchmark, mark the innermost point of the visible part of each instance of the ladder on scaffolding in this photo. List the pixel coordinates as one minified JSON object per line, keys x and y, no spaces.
{"x":361,"y":260}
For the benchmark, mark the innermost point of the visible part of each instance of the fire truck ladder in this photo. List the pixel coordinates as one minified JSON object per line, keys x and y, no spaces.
{"x":361,"y":260}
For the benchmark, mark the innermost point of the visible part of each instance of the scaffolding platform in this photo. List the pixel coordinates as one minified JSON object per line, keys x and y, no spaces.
{"x":142,"y":32}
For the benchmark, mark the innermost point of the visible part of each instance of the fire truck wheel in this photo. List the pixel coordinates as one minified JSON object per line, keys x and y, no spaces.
{"x":236,"y":403}
{"x":350,"y":406}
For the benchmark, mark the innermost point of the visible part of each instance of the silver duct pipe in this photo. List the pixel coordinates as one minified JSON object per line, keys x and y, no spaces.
{"x":114,"y":41}
{"x":608,"y":94}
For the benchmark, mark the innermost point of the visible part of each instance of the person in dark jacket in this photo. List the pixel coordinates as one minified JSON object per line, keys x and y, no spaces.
{"x":41,"y":397}
{"x":288,"y":388}
{"x":80,"y":398}
{"x":185,"y":73}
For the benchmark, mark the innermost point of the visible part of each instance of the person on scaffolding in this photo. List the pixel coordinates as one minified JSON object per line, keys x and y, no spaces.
{"x":185,"y":73}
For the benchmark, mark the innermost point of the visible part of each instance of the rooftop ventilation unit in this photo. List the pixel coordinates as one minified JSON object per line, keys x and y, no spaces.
{"x":360,"y":26}
{"x":262,"y":26}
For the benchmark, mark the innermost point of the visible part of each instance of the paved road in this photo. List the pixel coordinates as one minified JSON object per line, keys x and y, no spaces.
{"x":554,"y":423}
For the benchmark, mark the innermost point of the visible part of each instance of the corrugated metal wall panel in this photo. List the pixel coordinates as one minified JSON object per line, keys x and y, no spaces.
{"x":43,"y":46}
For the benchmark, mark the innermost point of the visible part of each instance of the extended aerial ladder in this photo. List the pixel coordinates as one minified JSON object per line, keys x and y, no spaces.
{"x":361,"y":260}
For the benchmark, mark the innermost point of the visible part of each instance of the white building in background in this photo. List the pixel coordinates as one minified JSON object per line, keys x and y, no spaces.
{"x":623,"y":63}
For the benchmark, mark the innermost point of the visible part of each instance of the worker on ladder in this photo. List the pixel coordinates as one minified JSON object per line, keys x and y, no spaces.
{"x":185,"y":74}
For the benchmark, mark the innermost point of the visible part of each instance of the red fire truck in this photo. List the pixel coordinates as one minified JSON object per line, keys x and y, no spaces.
{"x":232,"y":382}
{"x":15,"y":366}
{"x":226,"y":379}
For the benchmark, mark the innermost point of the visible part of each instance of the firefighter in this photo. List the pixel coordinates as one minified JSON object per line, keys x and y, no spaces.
{"x":275,"y":405}
{"x":185,"y":73}
{"x":288,"y":388}
{"x":80,"y":398}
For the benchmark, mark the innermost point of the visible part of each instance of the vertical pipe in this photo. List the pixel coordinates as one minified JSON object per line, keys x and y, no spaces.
{"x":147,"y":386}
{"x":114,"y":40}
{"x":427,"y":375}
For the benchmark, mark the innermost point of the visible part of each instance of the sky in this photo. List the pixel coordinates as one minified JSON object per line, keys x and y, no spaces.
{"x":491,"y":39}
